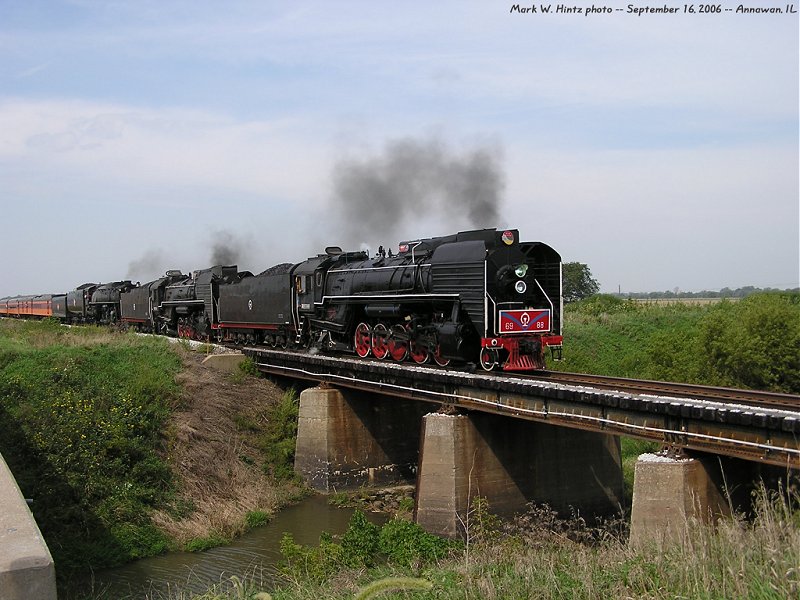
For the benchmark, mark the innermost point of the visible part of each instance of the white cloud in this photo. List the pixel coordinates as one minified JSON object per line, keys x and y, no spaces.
{"x":280,"y":159}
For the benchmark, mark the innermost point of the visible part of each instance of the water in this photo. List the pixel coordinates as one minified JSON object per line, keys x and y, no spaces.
{"x":256,"y":553}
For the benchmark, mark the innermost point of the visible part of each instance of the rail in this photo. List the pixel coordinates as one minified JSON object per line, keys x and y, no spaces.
{"x":756,"y":398}
{"x":727,"y":427}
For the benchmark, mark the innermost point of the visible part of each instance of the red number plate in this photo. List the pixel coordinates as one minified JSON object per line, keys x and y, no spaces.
{"x":536,"y":320}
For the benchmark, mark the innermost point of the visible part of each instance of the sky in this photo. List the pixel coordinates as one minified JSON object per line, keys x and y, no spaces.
{"x":135,"y":137}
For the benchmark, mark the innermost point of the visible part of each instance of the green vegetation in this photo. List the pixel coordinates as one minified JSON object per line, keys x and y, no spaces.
{"x":247,"y":368}
{"x":81,"y":412}
{"x":399,"y":543}
{"x":256,"y":518}
{"x":578,"y":281}
{"x":539,"y":556}
{"x":279,"y":440}
{"x":753,"y":343}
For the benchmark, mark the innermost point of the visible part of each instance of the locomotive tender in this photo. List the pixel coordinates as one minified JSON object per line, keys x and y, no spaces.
{"x":475,"y":296}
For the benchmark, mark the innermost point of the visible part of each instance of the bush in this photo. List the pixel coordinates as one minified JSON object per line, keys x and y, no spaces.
{"x":754,"y":343}
{"x":363,"y":545}
{"x":360,"y":541}
{"x":407,"y":544}
{"x":279,"y":441}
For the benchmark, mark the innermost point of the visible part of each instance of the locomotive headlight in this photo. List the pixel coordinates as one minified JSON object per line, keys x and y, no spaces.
{"x":521,"y":270}
{"x":520,"y":286}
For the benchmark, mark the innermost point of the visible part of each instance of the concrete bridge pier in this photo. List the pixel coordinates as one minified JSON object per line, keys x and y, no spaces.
{"x":512,"y":462}
{"x":346,"y":438}
{"x":670,"y":494}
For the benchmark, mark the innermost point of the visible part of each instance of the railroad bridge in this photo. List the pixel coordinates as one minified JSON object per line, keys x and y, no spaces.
{"x":514,"y":440}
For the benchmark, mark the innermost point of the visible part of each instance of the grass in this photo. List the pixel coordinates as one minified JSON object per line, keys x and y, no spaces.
{"x":752,"y":344}
{"x":82,"y":410}
{"x":538,"y":556}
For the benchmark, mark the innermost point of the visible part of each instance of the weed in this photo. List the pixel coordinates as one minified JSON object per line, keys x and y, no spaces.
{"x":256,"y":518}
{"x":278,"y":442}
{"x":380,"y":586}
{"x":248,"y":367}
{"x":339,"y":499}
{"x":405,"y":505}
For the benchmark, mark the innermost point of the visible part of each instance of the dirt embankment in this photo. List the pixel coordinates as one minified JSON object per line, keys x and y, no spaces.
{"x":213,"y":447}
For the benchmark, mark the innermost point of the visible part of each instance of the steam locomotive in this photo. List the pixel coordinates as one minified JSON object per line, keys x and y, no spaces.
{"x":475,"y":296}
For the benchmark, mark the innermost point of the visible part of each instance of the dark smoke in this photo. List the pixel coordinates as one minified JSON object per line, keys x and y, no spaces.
{"x":226,"y":248}
{"x":147,"y":268}
{"x":414,"y":179}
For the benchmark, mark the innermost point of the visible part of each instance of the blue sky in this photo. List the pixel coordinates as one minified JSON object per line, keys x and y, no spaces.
{"x":662,"y":150}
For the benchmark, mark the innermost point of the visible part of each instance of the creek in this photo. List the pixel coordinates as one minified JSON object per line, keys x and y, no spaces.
{"x":255,"y":554}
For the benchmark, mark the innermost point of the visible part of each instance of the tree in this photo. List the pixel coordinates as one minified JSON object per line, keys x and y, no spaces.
{"x":578,"y":281}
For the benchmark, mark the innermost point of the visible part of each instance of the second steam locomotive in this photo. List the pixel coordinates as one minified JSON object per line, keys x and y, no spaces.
{"x":475,"y":296}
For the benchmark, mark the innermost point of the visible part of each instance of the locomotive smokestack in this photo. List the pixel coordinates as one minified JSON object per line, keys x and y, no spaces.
{"x":415,"y":179}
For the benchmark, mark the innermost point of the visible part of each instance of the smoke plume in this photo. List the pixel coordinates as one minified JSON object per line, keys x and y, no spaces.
{"x":226,"y":248}
{"x":415,"y":179}
{"x":147,"y":268}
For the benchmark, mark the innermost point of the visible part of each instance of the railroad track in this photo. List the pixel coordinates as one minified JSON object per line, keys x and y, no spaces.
{"x":753,"y":398}
{"x":679,"y":390}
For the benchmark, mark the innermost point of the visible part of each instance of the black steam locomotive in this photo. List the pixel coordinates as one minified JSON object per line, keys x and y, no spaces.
{"x":476,"y":296}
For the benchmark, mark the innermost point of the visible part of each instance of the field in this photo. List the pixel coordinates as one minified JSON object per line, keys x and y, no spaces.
{"x":753,"y":343}
{"x":702,"y":301}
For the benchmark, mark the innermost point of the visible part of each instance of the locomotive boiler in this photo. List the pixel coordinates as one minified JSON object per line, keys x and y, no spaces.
{"x":476,"y":294}
{"x":189,"y":307}
{"x":142,"y":307}
{"x":104,"y":301}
